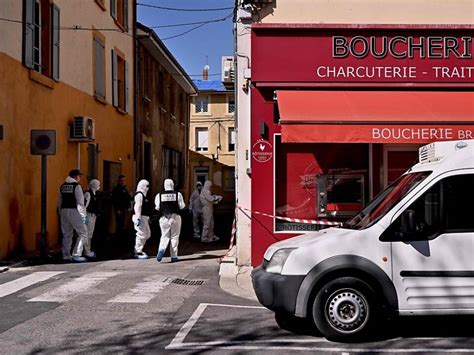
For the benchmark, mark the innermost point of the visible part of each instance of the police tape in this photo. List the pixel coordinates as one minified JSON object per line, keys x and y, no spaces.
{"x":232,"y":236}
{"x":297,"y":220}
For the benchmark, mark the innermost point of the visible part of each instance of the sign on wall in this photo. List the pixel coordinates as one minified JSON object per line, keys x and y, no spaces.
{"x":419,"y":55}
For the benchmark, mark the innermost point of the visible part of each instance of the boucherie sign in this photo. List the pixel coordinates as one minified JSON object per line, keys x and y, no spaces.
{"x":369,"y":56}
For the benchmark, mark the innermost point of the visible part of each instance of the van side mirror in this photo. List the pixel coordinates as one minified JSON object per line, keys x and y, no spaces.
{"x":408,"y":225}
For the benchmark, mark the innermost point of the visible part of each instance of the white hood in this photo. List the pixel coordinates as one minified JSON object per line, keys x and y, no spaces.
{"x":168,"y":185}
{"x":143,"y":186}
{"x":94,"y":185}
{"x":306,"y":239}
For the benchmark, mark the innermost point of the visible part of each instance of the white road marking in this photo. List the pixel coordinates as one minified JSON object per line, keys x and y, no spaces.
{"x":23,"y":282}
{"x":74,"y":288}
{"x":186,"y":328}
{"x":178,"y":341}
{"x":143,"y":292}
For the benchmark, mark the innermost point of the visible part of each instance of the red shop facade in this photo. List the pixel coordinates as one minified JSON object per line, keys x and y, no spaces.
{"x":339,"y":112}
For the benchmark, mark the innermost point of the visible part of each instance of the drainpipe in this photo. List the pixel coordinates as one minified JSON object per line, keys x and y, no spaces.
{"x":135,"y":93}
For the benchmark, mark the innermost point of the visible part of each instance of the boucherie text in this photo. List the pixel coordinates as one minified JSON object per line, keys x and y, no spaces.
{"x":401,"y":47}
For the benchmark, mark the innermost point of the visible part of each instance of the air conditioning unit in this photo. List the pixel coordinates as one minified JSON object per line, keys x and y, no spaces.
{"x":82,"y":129}
{"x":228,"y":72}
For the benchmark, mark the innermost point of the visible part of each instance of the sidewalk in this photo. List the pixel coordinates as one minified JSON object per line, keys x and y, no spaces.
{"x":234,"y":279}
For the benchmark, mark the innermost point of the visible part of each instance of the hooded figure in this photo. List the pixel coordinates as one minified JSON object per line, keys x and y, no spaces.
{"x":208,"y":200}
{"x":92,"y":210}
{"x":196,"y":209}
{"x":72,"y":213}
{"x":168,"y":203}
{"x":142,"y":211}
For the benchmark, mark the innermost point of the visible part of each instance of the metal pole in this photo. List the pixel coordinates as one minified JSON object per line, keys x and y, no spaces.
{"x":43,"y":206}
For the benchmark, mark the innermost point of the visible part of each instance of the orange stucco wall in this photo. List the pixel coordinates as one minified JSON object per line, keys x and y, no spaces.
{"x":24,"y":105}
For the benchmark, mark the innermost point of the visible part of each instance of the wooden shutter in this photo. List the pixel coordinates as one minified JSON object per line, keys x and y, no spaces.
{"x":99,"y":52}
{"x":115,"y":100}
{"x":125,"y":14}
{"x":126,"y":85}
{"x":55,"y":36}
{"x":28,"y":32}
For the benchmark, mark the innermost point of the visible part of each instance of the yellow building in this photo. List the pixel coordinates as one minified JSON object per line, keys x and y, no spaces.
{"x":212,"y":137}
{"x":61,"y":62}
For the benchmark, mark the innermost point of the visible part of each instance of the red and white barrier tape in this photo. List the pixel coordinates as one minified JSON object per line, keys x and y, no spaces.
{"x":297,"y":220}
{"x":232,"y":236}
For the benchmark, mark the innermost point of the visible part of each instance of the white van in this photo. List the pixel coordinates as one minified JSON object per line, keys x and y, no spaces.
{"x":410,"y":251}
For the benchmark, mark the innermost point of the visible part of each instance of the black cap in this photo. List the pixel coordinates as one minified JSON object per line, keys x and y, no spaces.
{"x":74,"y":173}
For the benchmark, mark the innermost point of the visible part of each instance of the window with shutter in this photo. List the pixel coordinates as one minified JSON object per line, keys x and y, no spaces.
{"x":99,"y":65}
{"x":201,"y":104}
{"x":231,"y":139}
{"x":202,"y":139}
{"x":41,"y":39}
{"x":120,"y":82}
{"x":119,"y":11}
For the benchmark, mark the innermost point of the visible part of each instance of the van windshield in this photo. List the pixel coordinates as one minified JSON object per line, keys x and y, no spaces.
{"x":385,"y":200}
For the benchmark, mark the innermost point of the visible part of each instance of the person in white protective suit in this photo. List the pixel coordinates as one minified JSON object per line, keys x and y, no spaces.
{"x":92,"y":210}
{"x":73,"y":214}
{"x":208,"y":200}
{"x":196,"y":210}
{"x":141,"y":218}
{"x":168,"y":203}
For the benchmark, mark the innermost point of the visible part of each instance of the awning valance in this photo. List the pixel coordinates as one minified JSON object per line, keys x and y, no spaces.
{"x":375,"y":116}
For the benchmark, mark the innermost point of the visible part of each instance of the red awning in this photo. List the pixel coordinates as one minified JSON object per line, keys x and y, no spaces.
{"x":375,"y":116}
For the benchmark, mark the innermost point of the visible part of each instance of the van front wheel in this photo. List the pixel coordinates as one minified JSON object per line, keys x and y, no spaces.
{"x":345,"y":309}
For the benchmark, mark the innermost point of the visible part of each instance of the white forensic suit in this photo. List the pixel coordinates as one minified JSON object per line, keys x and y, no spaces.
{"x":168,"y":203}
{"x":208,"y":200}
{"x":92,"y":210}
{"x":73,"y":216}
{"x":141,"y":218}
{"x":196,"y":209}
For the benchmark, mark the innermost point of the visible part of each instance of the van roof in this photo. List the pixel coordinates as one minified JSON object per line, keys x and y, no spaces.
{"x":445,"y":156}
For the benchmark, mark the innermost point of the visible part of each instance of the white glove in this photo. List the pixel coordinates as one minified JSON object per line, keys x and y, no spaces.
{"x":136,"y":220}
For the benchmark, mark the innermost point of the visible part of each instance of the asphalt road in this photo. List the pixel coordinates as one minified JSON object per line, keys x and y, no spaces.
{"x":135,"y":306}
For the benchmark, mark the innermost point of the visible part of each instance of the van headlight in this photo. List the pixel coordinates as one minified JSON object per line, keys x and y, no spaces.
{"x":278,"y":260}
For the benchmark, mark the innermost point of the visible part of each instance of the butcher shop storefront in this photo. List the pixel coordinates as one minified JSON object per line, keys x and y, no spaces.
{"x":339,"y":112}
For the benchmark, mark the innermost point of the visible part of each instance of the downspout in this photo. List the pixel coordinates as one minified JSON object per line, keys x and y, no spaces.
{"x":135,"y":93}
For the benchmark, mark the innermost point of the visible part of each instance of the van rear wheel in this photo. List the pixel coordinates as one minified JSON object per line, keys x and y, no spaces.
{"x":345,"y":309}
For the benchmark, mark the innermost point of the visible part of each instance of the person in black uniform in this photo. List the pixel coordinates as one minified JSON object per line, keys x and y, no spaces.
{"x":168,"y":203}
{"x":72,"y":213}
{"x":121,"y":201}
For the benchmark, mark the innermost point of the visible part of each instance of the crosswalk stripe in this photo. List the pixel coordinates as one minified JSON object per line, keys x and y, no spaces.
{"x":23,"y":282}
{"x":74,"y":288}
{"x":143,"y":292}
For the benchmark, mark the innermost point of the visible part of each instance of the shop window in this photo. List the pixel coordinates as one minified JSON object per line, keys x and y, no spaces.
{"x":201,"y":104}
{"x":119,"y":12}
{"x":41,"y":37}
{"x":120,"y":81}
{"x":229,"y":179}
{"x":318,"y":181}
{"x":230,"y":104}
{"x":99,"y":65}
{"x":231,"y":139}
{"x":202,"y":139}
